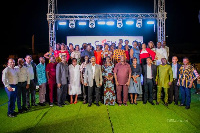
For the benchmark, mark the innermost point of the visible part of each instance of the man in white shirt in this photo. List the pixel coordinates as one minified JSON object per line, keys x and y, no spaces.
{"x":166,"y":48}
{"x":10,"y":80}
{"x":160,"y":53}
{"x":23,"y":84}
{"x":149,"y":74}
{"x":33,"y":79}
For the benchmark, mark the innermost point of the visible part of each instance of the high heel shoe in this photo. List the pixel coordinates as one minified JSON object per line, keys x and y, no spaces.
{"x":135,"y":102}
{"x":75,"y":102}
{"x":71,"y":102}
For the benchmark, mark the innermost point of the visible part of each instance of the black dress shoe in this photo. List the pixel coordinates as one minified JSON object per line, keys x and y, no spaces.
{"x":11,"y":115}
{"x":64,"y":103}
{"x":59,"y":105}
{"x":182,"y":105}
{"x":157,"y":103}
{"x":89,"y":105}
{"x":166,"y":104}
{"x":42,"y":104}
{"x":144,"y":102}
{"x":97,"y":104}
{"x":34,"y":104}
{"x":152,"y":103}
{"x":24,"y":109}
{"x":20,"y":111}
{"x":175,"y":103}
{"x":187,"y":107}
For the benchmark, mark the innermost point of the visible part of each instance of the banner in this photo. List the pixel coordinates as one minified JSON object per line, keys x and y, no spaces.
{"x":100,"y":40}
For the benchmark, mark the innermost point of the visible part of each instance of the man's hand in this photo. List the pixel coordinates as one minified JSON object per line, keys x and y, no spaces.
{"x":58,"y":85}
{"x":190,"y":86}
{"x":10,"y":88}
{"x":85,"y":84}
{"x":100,"y":84}
{"x":156,"y":82}
{"x":27,"y":86}
{"x":170,"y":83}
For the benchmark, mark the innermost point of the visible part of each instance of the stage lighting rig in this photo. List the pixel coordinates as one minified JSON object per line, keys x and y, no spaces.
{"x":119,"y":23}
{"x":72,"y":24}
{"x":91,"y":23}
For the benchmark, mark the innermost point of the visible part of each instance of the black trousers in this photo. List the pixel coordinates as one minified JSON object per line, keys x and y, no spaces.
{"x":148,"y":89}
{"x":85,"y":92}
{"x":90,"y":92}
{"x":21,"y":94}
{"x":31,"y":90}
{"x":62,"y":94}
{"x":173,"y":91}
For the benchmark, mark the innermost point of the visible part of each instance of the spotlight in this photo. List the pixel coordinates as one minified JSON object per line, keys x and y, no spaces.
{"x":91,"y":23}
{"x":101,"y":22}
{"x":62,"y":23}
{"x":150,"y":22}
{"x":139,"y":23}
{"x":110,"y":23}
{"x":71,"y":24}
{"x":119,"y":23}
{"x":129,"y":22}
{"x":82,"y":23}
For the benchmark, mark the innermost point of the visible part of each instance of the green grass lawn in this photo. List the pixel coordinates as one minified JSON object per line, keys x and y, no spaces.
{"x":104,"y":119}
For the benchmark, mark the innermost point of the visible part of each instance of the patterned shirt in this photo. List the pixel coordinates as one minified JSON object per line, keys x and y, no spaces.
{"x":118,"y":53}
{"x":186,"y":75}
{"x":41,"y":73}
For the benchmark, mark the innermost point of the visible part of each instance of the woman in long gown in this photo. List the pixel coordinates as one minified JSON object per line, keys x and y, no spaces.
{"x":109,"y":91}
{"x":74,"y":80}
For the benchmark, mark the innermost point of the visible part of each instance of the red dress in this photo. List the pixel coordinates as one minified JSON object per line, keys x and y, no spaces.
{"x":97,"y":54}
{"x":127,"y":56}
{"x":147,"y":53}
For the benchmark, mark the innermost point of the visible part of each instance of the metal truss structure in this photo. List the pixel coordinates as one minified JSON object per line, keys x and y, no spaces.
{"x":159,"y":15}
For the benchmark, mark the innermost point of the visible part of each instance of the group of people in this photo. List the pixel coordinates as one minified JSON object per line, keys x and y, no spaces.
{"x":132,"y":70}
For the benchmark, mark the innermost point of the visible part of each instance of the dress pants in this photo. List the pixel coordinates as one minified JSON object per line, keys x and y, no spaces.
{"x":42,"y":92}
{"x":31,"y":90}
{"x":125,"y":93}
{"x":85,"y":91}
{"x":52,"y":88}
{"x":11,"y":99}
{"x":148,"y":89}
{"x":185,"y":95}
{"x":21,"y":94}
{"x":90,"y":92}
{"x":173,"y":91}
{"x":62,"y":94}
{"x":159,"y":94}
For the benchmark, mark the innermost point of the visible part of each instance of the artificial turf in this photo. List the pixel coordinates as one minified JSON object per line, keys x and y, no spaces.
{"x":79,"y":118}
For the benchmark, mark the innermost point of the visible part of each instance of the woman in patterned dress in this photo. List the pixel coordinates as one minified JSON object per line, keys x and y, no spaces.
{"x":109,"y":91}
{"x":106,"y":53}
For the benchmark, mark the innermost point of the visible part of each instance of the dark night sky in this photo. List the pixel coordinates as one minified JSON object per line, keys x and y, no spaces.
{"x":22,"y":19}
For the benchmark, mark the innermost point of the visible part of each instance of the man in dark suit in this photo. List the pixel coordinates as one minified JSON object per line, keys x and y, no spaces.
{"x":149,"y":73}
{"x":174,"y":89}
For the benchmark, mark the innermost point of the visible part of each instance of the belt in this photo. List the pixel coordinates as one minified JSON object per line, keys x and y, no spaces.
{"x":21,"y":82}
{"x":12,"y":84}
